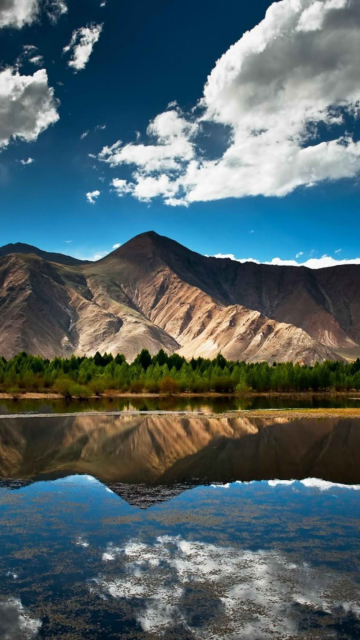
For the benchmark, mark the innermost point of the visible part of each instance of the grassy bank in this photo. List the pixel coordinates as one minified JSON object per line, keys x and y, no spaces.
{"x":161,"y":374}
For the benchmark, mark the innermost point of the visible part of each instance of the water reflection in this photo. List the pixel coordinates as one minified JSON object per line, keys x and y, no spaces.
{"x":253,"y":561}
{"x":218,"y":404}
{"x":168,"y":449}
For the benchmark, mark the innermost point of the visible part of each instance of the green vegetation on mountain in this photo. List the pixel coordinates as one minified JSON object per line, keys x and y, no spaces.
{"x":82,"y":376}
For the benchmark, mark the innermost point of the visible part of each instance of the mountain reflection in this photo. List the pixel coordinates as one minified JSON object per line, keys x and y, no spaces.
{"x":167,"y":449}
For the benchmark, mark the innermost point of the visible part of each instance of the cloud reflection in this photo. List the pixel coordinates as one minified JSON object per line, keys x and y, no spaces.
{"x":15,"y":622}
{"x":214,"y":591}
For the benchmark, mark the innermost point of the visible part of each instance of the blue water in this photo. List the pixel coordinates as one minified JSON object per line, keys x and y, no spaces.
{"x":240,"y":561}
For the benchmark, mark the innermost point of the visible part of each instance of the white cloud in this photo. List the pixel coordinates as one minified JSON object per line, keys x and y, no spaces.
{"x":92,"y":196}
{"x":30,"y":53}
{"x":338,"y":251}
{"x":38,"y":60}
{"x":255,"y":593}
{"x":295,"y":71}
{"x":98,"y":256}
{"x":28,"y":161}
{"x":81,"y":45}
{"x":116,"y":245}
{"x":312,"y":263}
{"x":298,"y":255}
{"x":55,"y":9}
{"x":121,"y":186}
{"x":27,"y":105}
{"x":83,"y":135}
{"x":172,"y":147}
{"x":20,"y":13}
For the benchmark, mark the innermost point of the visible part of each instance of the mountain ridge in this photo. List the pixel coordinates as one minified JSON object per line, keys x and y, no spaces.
{"x":28,"y":249}
{"x":152,"y":292}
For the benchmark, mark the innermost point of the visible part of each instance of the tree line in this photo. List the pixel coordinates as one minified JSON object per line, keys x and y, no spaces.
{"x":161,"y":373}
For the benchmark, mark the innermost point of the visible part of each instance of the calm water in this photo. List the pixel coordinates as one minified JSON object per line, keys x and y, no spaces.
{"x":207,"y":405}
{"x":179,"y":527}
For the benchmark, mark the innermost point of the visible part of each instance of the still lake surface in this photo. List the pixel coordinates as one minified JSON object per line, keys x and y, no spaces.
{"x":219,"y":404}
{"x":179,"y":527}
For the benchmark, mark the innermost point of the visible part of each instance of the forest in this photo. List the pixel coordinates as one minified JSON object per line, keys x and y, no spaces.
{"x":92,"y":376}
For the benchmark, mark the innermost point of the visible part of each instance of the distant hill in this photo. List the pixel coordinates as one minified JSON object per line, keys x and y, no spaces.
{"x":153,"y":292}
{"x":28,"y":249}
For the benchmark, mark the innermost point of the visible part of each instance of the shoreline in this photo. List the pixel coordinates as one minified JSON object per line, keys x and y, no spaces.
{"x":29,"y":395}
{"x":287,"y":414}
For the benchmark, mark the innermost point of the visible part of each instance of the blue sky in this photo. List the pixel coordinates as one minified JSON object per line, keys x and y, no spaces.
{"x":260,"y":161}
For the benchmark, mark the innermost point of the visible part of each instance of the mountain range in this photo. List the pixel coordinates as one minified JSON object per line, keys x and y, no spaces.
{"x":154,"y":293}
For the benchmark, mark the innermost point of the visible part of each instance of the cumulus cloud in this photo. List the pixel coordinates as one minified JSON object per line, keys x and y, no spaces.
{"x":20,"y":13}
{"x":250,"y":594}
{"x":311,"y":263}
{"x":292,"y":75}
{"x":28,"y":161}
{"x":81,"y":45}
{"x":92,"y":196}
{"x":116,"y":245}
{"x":27,"y":105}
{"x":171,"y":151}
{"x":15,"y":622}
{"x":171,"y":146}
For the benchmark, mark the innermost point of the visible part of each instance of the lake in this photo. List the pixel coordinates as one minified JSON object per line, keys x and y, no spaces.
{"x":216,"y":404}
{"x":179,"y":527}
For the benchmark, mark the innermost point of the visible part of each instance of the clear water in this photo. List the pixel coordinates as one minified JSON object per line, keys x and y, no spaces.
{"x":219,"y":404}
{"x":106,"y":531}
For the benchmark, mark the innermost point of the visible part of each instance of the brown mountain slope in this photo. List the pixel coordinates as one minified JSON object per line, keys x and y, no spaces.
{"x":154,"y":293}
{"x":323,"y":302}
{"x":28,"y":249}
{"x":51,"y":310}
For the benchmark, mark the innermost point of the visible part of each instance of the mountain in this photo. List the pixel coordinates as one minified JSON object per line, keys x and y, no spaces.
{"x":154,"y":293}
{"x":28,"y":249}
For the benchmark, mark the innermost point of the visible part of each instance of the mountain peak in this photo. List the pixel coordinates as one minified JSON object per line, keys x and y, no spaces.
{"x":146,"y":245}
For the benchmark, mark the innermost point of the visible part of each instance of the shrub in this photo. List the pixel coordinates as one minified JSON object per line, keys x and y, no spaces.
{"x":200,"y":386}
{"x":63,"y":386}
{"x":223,"y":384}
{"x":169,"y":386}
{"x":97,"y":386}
{"x":136,"y":386}
{"x":79,"y":391}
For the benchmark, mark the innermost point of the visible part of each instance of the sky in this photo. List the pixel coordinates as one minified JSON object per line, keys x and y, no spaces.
{"x":232,"y":128}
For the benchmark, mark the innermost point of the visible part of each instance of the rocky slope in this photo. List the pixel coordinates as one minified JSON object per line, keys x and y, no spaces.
{"x":152,"y":292}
